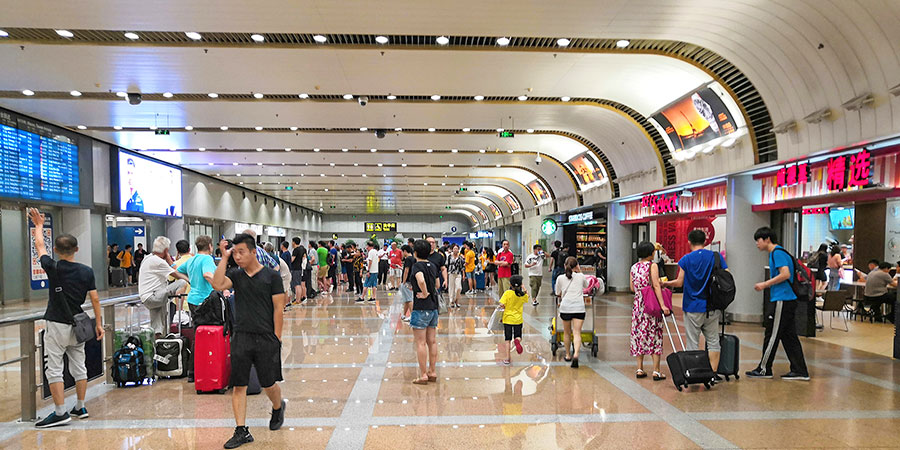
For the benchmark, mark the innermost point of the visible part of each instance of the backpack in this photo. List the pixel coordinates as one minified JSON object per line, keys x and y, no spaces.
{"x":720,"y":287}
{"x":128,"y":363}
{"x":801,"y":279}
{"x":215,"y":311}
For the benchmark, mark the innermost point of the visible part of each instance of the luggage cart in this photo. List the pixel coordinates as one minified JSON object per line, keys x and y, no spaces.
{"x":588,"y":336}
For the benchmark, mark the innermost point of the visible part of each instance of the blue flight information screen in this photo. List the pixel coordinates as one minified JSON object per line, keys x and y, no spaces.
{"x":36,"y":162}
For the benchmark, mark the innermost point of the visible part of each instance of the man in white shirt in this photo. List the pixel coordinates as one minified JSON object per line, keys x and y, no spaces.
{"x":371,"y":282}
{"x":152,"y":287}
{"x":534,"y":263}
{"x":383,"y":266}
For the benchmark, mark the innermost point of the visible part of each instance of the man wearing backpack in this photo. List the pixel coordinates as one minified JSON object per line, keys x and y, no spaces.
{"x":780,"y":319}
{"x":694,"y":273}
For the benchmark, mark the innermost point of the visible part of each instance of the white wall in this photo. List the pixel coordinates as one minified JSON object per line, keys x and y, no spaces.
{"x":409,"y":225}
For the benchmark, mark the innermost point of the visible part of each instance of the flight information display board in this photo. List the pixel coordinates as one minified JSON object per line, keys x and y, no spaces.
{"x":37,"y":163}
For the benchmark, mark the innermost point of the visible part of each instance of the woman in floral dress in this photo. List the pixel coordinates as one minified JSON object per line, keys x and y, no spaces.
{"x":646,"y":330}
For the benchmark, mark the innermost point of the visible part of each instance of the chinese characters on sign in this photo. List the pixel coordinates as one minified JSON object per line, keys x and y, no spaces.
{"x":381,"y":226}
{"x":812,"y":211}
{"x":845,"y":172}
{"x":661,"y":204}
{"x":793,"y":174}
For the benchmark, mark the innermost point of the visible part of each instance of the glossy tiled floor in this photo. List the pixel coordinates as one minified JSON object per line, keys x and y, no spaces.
{"x":348,"y":369}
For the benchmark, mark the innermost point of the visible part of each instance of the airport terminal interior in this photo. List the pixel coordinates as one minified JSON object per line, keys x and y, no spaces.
{"x":449,"y":225}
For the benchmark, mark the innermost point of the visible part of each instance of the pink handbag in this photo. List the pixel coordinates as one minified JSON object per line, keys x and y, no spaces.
{"x":651,"y":304}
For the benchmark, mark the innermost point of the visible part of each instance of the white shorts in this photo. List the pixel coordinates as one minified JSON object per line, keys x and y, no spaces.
{"x":396,"y":273}
{"x":59,"y":340}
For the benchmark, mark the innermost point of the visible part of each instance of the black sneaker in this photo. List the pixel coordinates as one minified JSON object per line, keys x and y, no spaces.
{"x":795,"y":376}
{"x":758,"y":373}
{"x":535,"y":303}
{"x":79,"y":413}
{"x":54,"y":421}
{"x":241,"y":436}
{"x":277,"y":417}
{"x":360,"y":300}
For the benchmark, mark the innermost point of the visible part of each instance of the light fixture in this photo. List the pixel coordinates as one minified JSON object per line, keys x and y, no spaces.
{"x":193,"y":35}
{"x":304,"y":96}
{"x":373,"y":150}
{"x":451,"y":165}
{"x":82,"y":127}
{"x":117,"y":127}
{"x":344,"y":150}
{"x":530,"y":130}
{"x":75,"y":93}
{"x":509,"y":151}
{"x":500,"y":130}
{"x":622,"y":43}
{"x":213,"y":95}
{"x":316,"y":150}
{"x":320,"y":38}
{"x":429,"y":150}
{"x":167,"y":94}
{"x":355,"y":164}
{"x":321,"y":174}
{"x":563,"y":42}
{"x":363,"y":129}
{"x":498,"y":165}
{"x":4,"y":33}
{"x":522,"y":98}
{"x":258,"y":95}
{"x":442,"y":40}
{"x":380,"y":165}
{"x":363,"y":175}
{"x":403,"y":165}
{"x":443,"y":184}
{"x":392,"y":97}
{"x":504,"y":41}
{"x":259,"y":150}
{"x":479,"y":98}
{"x":425,"y":184}
{"x":454,"y":150}
{"x":27,"y":92}
{"x":132,"y":36}
{"x":348,"y":96}
{"x":188,"y":128}
{"x":293,"y":128}
{"x":381,"y":39}
{"x":435,"y":97}
{"x":234,"y":164}
{"x":259,"y":163}
{"x":65,"y":33}
{"x":223,"y":128}
{"x":331,"y":164}
{"x":239,"y":176}
{"x":258,"y":128}
{"x":257,"y":37}
{"x":401,"y":150}
{"x":466,"y":130}
{"x":287,"y":149}
{"x":121,"y":94}
{"x":203,"y":149}
{"x":153,"y":127}
{"x":481,"y":150}
{"x":398,"y":129}
{"x":432,"y":130}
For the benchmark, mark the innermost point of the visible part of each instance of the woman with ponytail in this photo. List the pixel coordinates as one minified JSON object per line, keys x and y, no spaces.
{"x":513,"y":303}
{"x":570,"y":290}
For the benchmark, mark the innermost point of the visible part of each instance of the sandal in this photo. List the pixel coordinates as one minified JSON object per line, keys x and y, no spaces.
{"x":432,"y":379}
{"x":658,"y":376}
{"x":640,"y":374}
{"x":420,"y":381}
{"x":567,"y":359}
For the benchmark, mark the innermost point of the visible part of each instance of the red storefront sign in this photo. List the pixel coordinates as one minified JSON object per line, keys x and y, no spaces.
{"x":661,"y":204}
{"x":842,"y":172}
{"x":793,"y":174}
{"x":813,"y":211}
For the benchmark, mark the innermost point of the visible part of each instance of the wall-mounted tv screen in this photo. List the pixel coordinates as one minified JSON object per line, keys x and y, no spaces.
{"x":695,"y":119}
{"x":37,"y":161}
{"x":148,"y":186}
{"x":841,"y":219}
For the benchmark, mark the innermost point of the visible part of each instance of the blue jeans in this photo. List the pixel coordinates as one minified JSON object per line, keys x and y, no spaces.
{"x":557,"y":271}
{"x":421,"y":319}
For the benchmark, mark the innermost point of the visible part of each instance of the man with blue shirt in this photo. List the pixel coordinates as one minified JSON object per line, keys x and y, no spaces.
{"x":199,"y":269}
{"x":779,"y":319}
{"x":695,"y":270}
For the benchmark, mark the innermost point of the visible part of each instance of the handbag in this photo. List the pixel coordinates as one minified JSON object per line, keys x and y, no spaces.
{"x":496,"y":321}
{"x":84,"y":328}
{"x":442,"y":304}
{"x":651,"y":303}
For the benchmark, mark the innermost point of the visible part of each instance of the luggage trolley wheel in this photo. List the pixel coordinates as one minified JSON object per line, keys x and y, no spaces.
{"x":678,"y":387}
{"x":706,"y":385}
{"x":594,"y":350}
{"x":553,"y":348}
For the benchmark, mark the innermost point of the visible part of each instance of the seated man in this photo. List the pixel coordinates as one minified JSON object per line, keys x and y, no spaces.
{"x":152,"y":287}
{"x":876,"y":293}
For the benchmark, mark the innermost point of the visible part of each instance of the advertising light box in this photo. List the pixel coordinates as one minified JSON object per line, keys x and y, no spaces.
{"x":695,"y":119}
{"x":147,"y":186}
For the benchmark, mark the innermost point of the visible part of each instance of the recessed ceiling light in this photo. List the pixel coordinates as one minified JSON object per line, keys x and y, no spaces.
{"x":398,"y":129}
{"x":287,"y":149}
{"x":504,"y":41}
{"x":27,"y":92}
{"x":530,"y":130}
{"x":344,"y":150}
{"x":443,"y":184}
{"x":258,"y":95}
{"x":429,"y":150}
{"x":355,"y":164}
{"x":622,"y":43}
{"x":258,"y":128}
{"x":432,"y":130}
{"x":167,"y":94}
{"x":500,"y":130}
{"x":75,"y":93}
{"x":316,"y":150}
{"x":451,"y":165}
{"x":211,"y":164}
{"x":257,"y":37}
{"x":402,"y":150}
{"x":342,"y":175}
{"x":455,"y":150}
{"x":203,"y":149}
{"x":65,"y":33}
{"x":241,"y":181}
{"x":153,"y":127}
{"x":188,"y":128}
{"x":331,"y":164}
{"x":466,"y":130}
{"x":213,"y":95}
{"x":234,"y":164}
{"x":363,"y":129}
{"x":259,"y":150}
{"x":326,"y":189}
{"x":479,"y":98}
{"x":481,"y":150}
{"x":259,"y":163}
{"x":4,"y":33}
{"x":117,"y":127}
{"x":380,"y":164}
{"x":321,"y":174}
{"x":381,"y":39}
{"x":442,"y":40}
{"x":121,"y":94}
{"x":373,"y":150}
{"x":498,"y":165}
{"x":522,"y":98}
{"x":82,"y":127}
{"x":435,"y":97}
{"x":304,"y":96}
{"x":425,"y":184}
{"x":509,"y":151}
{"x":293,"y":128}
{"x":392,"y":97}
{"x":363,"y":175}
{"x":132,"y":36}
{"x":320,"y":38}
{"x":223,"y":128}
{"x":403,"y":165}
{"x":193,"y":35}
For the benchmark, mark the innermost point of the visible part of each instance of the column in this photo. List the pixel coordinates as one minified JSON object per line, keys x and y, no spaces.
{"x":745,"y":261}
{"x":175,"y":230}
{"x":618,"y":243}
{"x":77,"y":222}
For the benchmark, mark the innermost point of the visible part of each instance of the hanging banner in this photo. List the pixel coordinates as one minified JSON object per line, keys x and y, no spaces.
{"x":38,"y":276}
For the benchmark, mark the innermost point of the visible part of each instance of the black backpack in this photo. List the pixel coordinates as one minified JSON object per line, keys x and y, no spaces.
{"x":801,"y":279}
{"x":215,"y":310}
{"x":720,"y":287}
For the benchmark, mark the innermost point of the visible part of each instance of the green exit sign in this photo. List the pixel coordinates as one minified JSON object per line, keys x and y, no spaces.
{"x":289,"y":188}
{"x":462,"y":189}
{"x":507,"y":134}
{"x":162,"y":132}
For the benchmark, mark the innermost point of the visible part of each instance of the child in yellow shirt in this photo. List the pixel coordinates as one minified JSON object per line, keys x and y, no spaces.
{"x":513,"y":303}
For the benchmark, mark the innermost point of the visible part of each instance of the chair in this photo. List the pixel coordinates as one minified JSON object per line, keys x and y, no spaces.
{"x":834,"y":302}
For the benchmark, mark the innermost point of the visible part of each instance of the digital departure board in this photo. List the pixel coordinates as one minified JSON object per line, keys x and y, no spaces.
{"x":36,"y":162}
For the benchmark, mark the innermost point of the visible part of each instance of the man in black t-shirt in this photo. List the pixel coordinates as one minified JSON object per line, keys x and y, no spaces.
{"x":298,"y":260}
{"x":139,"y":254}
{"x":424,"y":318}
{"x":70,"y":283}
{"x":258,"y":319}
{"x":438,"y":260}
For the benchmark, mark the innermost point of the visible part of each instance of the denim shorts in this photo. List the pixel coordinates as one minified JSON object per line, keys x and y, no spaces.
{"x":371,"y":280}
{"x":421,"y":319}
{"x":470,"y":275}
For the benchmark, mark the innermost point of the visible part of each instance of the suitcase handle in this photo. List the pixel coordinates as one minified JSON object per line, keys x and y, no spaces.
{"x":669,"y":333}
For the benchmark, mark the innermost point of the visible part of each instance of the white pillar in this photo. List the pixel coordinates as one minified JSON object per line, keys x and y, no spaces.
{"x":618,"y":242}
{"x":77,"y":222}
{"x":744,"y":260}
{"x":175,"y":231}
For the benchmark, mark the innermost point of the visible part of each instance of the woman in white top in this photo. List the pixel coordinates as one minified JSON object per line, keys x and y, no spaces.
{"x":570,"y":288}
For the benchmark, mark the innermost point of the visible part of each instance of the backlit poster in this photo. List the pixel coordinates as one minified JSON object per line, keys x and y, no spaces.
{"x":695,"y":119}
{"x":586,"y":169}
{"x":483,"y":215}
{"x":495,"y":211}
{"x":540,"y":193}
{"x":512,"y":203}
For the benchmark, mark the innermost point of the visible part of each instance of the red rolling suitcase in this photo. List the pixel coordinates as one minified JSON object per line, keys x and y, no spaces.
{"x":212,"y":359}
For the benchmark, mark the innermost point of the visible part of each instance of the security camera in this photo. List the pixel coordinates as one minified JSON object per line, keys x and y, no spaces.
{"x":363,"y":100}
{"x":379,"y":134}
{"x":537,"y":160}
{"x":134,"y":98}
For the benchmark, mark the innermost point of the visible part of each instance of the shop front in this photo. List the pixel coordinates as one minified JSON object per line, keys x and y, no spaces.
{"x":585,"y":232}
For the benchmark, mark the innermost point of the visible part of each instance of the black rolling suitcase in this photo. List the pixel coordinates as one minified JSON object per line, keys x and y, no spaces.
{"x":730,"y":357}
{"x":688,"y":366}
{"x":119,"y":277}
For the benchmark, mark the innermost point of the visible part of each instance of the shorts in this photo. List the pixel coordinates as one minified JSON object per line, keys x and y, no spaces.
{"x":569,"y":316}
{"x":694,"y":323}
{"x":535,"y":282}
{"x":470,"y":275}
{"x":59,"y":340}
{"x":396,"y":273}
{"x":260,"y":350}
{"x":371,"y":280}
{"x":421,"y":319}
{"x":296,"y":278}
{"x":511,"y":332}
{"x":406,"y":293}
{"x":332,"y":271}
{"x":503,"y":283}
{"x":343,"y":268}
{"x":323,"y":271}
